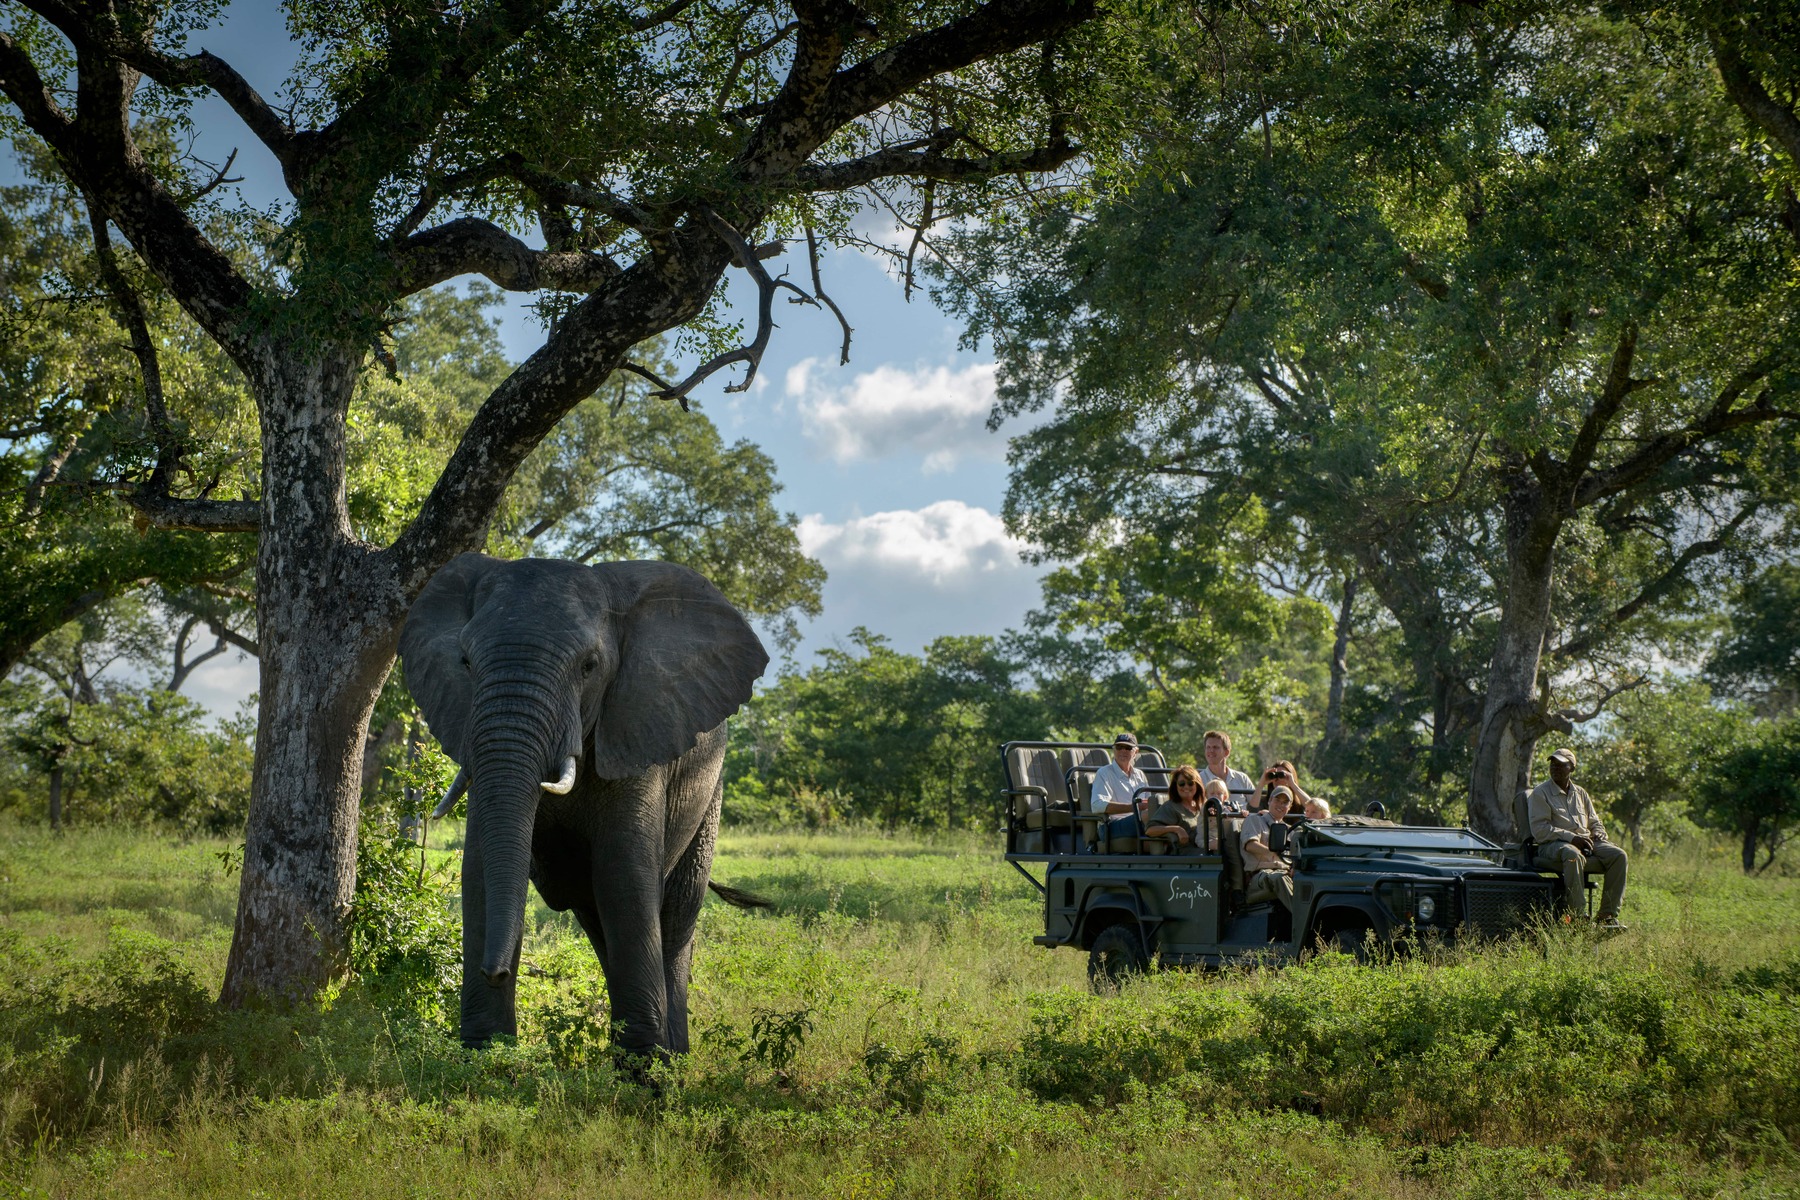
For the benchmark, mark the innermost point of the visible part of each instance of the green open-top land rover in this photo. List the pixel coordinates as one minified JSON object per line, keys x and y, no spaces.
{"x":1359,"y":882}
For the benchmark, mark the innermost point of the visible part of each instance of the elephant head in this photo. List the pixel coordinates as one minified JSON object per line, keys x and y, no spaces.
{"x":534,"y":671}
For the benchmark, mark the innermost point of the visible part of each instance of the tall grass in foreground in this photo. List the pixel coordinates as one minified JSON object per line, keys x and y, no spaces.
{"x":891,"y":1031}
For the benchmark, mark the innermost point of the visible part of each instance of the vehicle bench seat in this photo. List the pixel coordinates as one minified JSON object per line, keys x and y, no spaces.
{"x":1032,"y":769}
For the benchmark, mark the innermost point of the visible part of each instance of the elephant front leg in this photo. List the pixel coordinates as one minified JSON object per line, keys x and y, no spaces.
{"x":683,"y":894}
{"x":488,"y":1009}
{"x":626,"y":897}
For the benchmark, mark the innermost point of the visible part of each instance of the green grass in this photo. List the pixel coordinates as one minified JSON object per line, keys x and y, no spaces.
{"x":890,"y":1031}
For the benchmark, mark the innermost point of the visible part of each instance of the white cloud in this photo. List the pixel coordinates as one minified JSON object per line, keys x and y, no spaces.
{"x":914,"y":575}
{"x":935,"y":411}
{"x":949,"y":543}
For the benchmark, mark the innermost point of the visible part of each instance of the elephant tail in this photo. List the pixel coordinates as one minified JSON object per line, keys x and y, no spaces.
{"x":739,"y":898}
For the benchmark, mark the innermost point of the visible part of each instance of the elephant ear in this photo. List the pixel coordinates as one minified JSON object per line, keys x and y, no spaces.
{"x":431,"y":649}
{"x":687,"y":660}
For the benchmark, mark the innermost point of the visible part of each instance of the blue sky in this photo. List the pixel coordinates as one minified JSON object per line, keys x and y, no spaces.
{"x":888,"y":466}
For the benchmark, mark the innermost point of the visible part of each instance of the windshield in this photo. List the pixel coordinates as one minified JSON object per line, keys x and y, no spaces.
{"x":1402,"y":838}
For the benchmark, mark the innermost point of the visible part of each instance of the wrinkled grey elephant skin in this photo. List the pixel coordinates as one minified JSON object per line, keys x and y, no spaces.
{"x":629,"y":669}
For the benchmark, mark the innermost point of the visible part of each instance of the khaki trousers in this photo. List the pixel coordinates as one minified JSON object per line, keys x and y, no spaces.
{"x":1271,"y":885}
{"x":1606,"y":860}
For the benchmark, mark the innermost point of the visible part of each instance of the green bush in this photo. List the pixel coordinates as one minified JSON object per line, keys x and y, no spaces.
{"x":405,"y":931}
{"x":891,"y":1032}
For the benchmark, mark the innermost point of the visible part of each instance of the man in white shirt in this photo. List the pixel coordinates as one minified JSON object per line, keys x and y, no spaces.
{"x":1572,"y":842}
{"x":1216,"y":746}
{"x":1116,"y":790}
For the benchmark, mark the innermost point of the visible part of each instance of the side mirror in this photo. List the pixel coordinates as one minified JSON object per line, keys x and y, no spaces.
{"x":1278,"y":837}
{"x":1376,"y":809}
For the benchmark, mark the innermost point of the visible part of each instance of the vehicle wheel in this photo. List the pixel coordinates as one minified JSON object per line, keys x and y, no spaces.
{"x":1117,"y":955}
{"x":1353,"y":941}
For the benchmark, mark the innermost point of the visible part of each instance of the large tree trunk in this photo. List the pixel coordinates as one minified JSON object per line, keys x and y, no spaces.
{"x":1510,"y":717}
{"x":327,"y":617}
{"x":1751,"y":826}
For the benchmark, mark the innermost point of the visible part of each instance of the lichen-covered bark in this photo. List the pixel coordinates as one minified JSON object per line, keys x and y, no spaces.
{"x":327,"y":614}
{"x":1510,"y":715}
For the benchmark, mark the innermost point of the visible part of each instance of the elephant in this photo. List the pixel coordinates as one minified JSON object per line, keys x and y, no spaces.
{"x":586,"y":707}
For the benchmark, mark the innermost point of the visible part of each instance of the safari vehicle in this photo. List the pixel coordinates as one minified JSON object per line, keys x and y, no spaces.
{"x":1359,"y":882}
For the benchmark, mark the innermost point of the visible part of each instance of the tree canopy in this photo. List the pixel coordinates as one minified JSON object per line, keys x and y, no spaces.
{"x":650,"y":150}
{"x":1493,"y":307}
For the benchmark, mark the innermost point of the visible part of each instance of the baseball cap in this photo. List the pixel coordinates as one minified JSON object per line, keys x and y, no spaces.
{"x":1281,"y":793}
{"x":1125,"y":739}
{"x":1564,"y":755}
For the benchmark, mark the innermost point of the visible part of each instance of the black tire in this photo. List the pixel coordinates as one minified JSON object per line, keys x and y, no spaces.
{"x":1117,"y":955}
{"x":1354,"y":941}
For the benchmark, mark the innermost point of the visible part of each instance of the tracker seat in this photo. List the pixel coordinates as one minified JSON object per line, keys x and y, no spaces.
{"x":1522,"y":854}
{"x":1231,"y":849}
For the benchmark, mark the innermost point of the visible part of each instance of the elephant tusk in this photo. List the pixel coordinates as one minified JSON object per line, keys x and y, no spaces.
{"x":458,"y":786}
{"x":562,"y":786}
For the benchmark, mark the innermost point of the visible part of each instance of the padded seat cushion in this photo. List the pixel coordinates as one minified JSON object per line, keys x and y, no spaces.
{"x":1038,"y":768}
{"x":1081,"y":783}
{"x":1032,"y":816}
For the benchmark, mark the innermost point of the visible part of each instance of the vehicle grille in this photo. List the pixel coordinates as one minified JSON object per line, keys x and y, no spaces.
{"x":1496,"y":908}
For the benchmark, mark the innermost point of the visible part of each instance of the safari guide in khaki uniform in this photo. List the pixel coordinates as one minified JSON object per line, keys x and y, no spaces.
{"x":1571,"y":841}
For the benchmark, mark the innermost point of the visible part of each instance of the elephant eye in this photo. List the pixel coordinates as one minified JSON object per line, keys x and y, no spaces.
{"x":589,"y":666}
{"x":465,"y":662}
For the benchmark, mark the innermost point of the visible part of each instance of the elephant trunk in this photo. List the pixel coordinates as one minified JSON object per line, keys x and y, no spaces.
{"x":521,"y":743}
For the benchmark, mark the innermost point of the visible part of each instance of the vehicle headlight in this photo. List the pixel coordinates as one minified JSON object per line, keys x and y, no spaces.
{"x":1427,"y":907}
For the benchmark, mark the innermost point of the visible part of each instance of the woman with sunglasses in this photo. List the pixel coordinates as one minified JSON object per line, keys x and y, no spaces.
{"x":1180,"y":813}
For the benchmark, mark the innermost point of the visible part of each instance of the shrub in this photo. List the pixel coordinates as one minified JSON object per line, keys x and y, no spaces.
{"x":405,"y":937}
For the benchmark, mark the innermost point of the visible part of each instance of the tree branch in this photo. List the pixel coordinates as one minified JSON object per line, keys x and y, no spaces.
{"x":96,"y":151}
{"x":744,"y":55}
{"x":218,"y":180}
{"x":1606,"y":406}
{"x":221,"y":630}
{"x":468,"y":245}
{"x":1748,"y":93}
{"x":751,"y":355}
{"x":207,"y":69}
{"x":426,"y":72}
{"x":20,"y":80}
{"x":579,"y":195}
{"x":661,"y":16}
{"x":1723,"y":416}
{"x":183,"y":667}
{"x":129,"y":312}
{"x":628,"y":534}
{"x":817,"y":99}
{"x":1564,"y":720}
{"x":436,"y":191}
{"x":1585,"y":639}
{"x":994,"y":28}
{"x":812,"y":258}
{"x":203,"y":516}
{"x":929,"y":164}
{"x":1462,"y":474}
